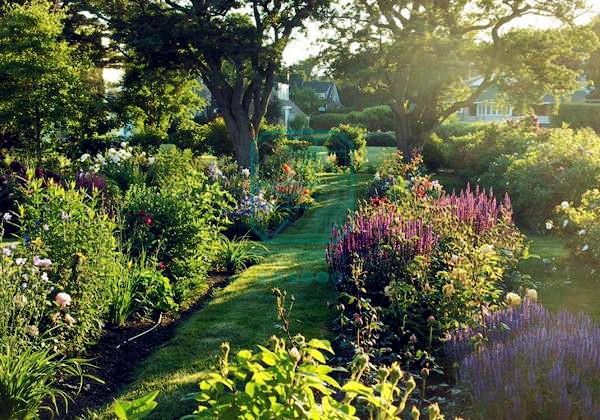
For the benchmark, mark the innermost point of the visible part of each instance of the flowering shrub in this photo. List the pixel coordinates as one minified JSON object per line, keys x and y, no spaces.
{"x":530,"y":363}
{"x":581,"y":225}
{"x":426,"y":264}
{"x":123,"y":166}
{"x":178,"y":224}
{"x":73,"y":242}
{"x":348,"y":143}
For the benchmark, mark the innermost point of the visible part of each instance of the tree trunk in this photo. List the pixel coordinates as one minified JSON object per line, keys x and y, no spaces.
{"x":243,"y":138}
{"x":404,"y":136}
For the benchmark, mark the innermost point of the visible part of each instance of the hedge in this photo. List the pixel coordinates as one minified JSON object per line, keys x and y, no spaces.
{"x":578,"y":116}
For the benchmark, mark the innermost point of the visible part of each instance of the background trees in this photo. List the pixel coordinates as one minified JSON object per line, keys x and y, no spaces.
{"x":235,"y":46}
{"x":423,"y":56}
{"x":46,"y":88}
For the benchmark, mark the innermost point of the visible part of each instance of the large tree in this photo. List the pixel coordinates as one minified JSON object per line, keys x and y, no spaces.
{"x":234,"y":45}
{"x":45,"y":85}
{"x":431,"y":58}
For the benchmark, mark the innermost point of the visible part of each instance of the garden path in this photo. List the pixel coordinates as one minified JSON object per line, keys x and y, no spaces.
{"x":244,"y":313}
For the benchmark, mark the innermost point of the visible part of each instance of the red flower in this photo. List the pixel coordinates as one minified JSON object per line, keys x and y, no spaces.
{"x":161,"y":266}
{"x":377,"y":201}
{"x":147,"y":219}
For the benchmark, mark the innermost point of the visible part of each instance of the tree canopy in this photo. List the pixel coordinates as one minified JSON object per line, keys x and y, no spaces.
{"x":431,"y":58}
{"x":234,"y":45}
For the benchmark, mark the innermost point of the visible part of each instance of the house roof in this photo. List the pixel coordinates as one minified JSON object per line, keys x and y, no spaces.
{"x":319,"y":86}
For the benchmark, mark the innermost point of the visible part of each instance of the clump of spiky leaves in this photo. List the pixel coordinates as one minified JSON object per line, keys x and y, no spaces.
{"x":237,"y":254}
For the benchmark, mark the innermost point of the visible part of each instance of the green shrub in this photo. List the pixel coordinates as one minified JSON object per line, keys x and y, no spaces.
{"x":148,"y":138}
{"x":381,"y":139}
{"x":580,"y":224}
{"x":549,"y":172}
{"x":373,"y":118}
{"x":327,"y":121}
{"x":236,"y":255}
{"x":349,"y":145}
{"x":578,"y":116}
{"x":178,"y":223}
{"x":299,"y":122}
{"x":188,"y":134}
{"x":217,"y":138}
{"x":68,"y":226}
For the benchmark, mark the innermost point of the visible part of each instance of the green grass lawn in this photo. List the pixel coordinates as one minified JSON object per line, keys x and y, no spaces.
{"x":564,"y":283}
{"x":244,"y":313}
{"x":375,"y":156}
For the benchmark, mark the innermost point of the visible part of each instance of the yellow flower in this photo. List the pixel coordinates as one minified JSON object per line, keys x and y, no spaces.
{"x":448,"y":290}
{"x":531,"y":294}
{"x":513,"y":299}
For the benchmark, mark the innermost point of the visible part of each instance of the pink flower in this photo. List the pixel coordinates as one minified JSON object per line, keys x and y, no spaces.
{"x":41,"y":262}
{"x":62,"y":299}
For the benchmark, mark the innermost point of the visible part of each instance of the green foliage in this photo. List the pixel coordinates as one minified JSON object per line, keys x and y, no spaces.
{"x":217,"y":140}
{"x":328,"y":121}
{"x":349,"y":145}
{"x":299,"y":122}
{"x":30,"y":380}
{"x":236,"y":255}
{"x":137,"y":409}
{"x":140,"y":290}
{"x":558,"y":169}
{"x":580,"y":224}
{"x":45,"y":94}
{"x":307,"y":100}
{"x":177,"y":222}
{"x":373,"y":118}
{"x":578,"y":116}
{"x":423,"y":64}
{"x":68,"y":226}
{"x":381,"y":139}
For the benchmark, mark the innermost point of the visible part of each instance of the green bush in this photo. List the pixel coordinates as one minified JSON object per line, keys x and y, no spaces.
{"x":188,"y":134}
{"x":349,"y":145}
{"x":327,"y":121}
{"x":68,"y":226}
{"x":299,"y":122}
{"x":373,"y":118}
{"x":578,"y":116}
{"x":558,"y":169}
{"x":217,"y":138}
{"x":381,"y":139}
{"x":178,"y":223}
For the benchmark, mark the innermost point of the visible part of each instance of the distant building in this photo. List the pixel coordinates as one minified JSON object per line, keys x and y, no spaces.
{"x":486,"y":108}
{"x":326,"y":90}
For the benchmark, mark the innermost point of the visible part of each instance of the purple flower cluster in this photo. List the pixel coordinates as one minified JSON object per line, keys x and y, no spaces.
{"x":476,"y":208}
{"x":252,"y":205}
{"x":536,"y":364}
{"x":375,"y":238}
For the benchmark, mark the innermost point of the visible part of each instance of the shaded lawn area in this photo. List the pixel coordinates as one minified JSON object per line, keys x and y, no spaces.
{"x":564,"y":282}
{"x":243,"y":313}
{"x":375,"y":156}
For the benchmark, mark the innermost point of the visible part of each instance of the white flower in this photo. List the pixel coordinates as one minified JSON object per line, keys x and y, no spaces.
{"x":549,"y":224}
{"x":582,"y":232}
{"x":84,"y":157}
{"x":20,"y":261}
{"x":565,"y":223}
{"x":584,"y":248}
{"x":151,"y":160}
{"x":487,"y":249}
{"x":123,"y":144}
{"x":531,"y":294}
{"x":246,"y":172}
{"x":7,"y":252}
{"x":513,"y":299}
{"x":62,"y":299}
{"x":64,"y":215}
{"x":377,"y":177}
{"x":70,"y":320}
{"x":564,"y":205}
{"x":7,"y":216}
{"x":454,"y":258}
{"x":45,"y":276}
{"x":46,"y":227}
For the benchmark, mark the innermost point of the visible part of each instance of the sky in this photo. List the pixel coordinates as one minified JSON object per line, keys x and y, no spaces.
{"x":303,"y":46}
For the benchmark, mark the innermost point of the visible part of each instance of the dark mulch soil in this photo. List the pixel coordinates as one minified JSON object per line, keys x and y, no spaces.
{"x":115,"y":357}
